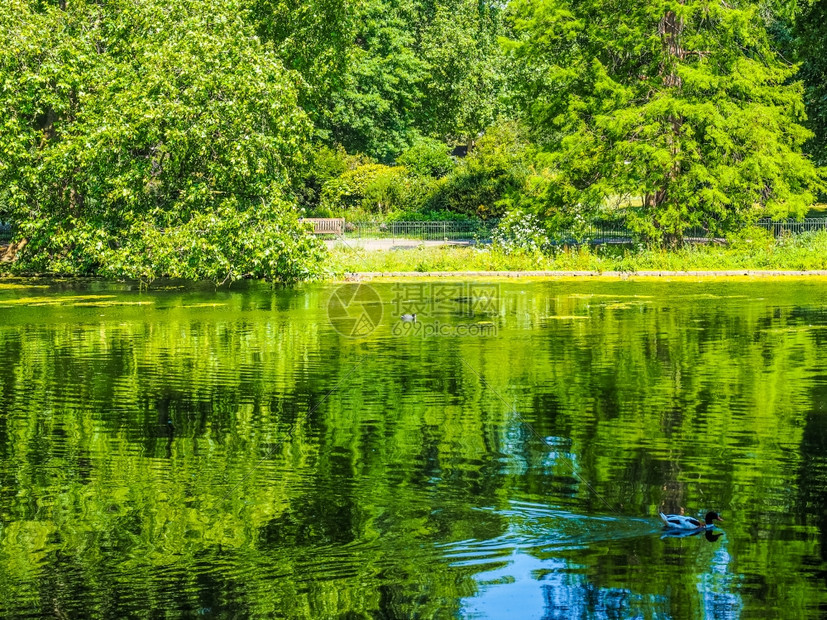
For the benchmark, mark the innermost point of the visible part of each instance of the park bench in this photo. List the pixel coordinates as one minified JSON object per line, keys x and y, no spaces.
{"x":326,"y":225}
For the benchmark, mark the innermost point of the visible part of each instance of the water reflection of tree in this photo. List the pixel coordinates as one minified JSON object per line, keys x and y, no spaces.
{"x":121,"y":437}
{"x":812,"y":479}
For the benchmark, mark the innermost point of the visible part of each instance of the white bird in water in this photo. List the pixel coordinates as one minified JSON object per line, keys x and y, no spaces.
{"x":681,"y":522}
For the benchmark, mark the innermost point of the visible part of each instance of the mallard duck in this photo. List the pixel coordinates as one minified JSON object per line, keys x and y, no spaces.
{"x":681,"y":522}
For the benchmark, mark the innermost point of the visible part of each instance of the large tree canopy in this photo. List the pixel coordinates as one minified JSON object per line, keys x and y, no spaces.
{"x":135,"y":117}
{"x":312,"y":37}
{"x":682,"y":102}
{"x":418,"y":68}
{"x":810,"y":38}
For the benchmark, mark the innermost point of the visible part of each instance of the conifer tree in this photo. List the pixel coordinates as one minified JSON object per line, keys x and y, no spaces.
{"x":810,"y":34}
{"x":683,"y":103}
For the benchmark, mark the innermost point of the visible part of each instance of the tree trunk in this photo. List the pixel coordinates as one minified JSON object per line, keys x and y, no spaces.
{"x":8,"y":253}
{"x":670,"y":29}
{"x":46,"y":124}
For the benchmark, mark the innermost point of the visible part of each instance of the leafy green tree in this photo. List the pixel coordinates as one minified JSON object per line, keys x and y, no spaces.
{"x":810,"y":37}
{"x":418,"y":68}
{"x":376,"y":109}
{"x":681,"y":102}
{"x":427,"y":158}
{"x":469,"y":72}
{"x":147,"y":117}
{"x":313,"y":37}
{"x":493,"y":178}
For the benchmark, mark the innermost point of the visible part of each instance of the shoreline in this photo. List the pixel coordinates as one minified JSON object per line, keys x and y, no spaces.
{"x":617,"y":275}
{"x":359,"y":276}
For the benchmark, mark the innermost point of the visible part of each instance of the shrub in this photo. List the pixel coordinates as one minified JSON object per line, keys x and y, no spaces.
{"x":489,"y":181}
{"x":325,"y":163}
{"x":426,"y":216}
{"x":428,"y":158}
{"x":220,"y":244}
{"x":520,"y":232}
{"x":375,"y":189}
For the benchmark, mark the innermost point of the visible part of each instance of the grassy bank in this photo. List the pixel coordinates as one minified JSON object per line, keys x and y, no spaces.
{"x":801,"y":252}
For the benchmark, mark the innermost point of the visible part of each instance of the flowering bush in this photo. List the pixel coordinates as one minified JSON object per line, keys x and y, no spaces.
{"x":520,"y":232}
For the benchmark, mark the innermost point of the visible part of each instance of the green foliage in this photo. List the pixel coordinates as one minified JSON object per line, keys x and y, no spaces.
{"x":375,"y":111}
{"x":327,"y":163}
{"x":493,"y":176}
{"x":136,"y":116}
{"x":130,"y":120}
{"x":418,"y":68}
{"x":426,"y":216}
{"x":683,"y":103}
{"x":469,"y":72}
{"x":373,"y":189}
{"x":520,"y":232}
{"x":810,"y":41}
{"x":219,"y":245}
{"x":312,"y":37}
{"x":498,"y":174}
{"x":324,"y":165}
{"x":427,"y":158}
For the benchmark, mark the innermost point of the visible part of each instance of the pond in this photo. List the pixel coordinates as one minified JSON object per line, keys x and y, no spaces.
{"x":306,"y":453}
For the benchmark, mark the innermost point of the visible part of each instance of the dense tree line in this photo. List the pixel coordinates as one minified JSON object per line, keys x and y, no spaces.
{"x":142,"y":137}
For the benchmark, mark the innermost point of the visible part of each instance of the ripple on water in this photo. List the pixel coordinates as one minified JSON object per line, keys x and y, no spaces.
{"x":538,"y":529}
{"x":241,"y":459}
{"x":533,"y":566}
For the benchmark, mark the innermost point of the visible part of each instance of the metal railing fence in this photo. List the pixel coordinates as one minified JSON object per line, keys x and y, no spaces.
{"x":594,"y":232}
{"x":453,"y":230}
{"x":6,"y":232}
{"x":780,"y":227}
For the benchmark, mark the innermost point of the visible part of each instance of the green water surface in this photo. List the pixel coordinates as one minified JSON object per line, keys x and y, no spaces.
{"x":187,"y":452}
